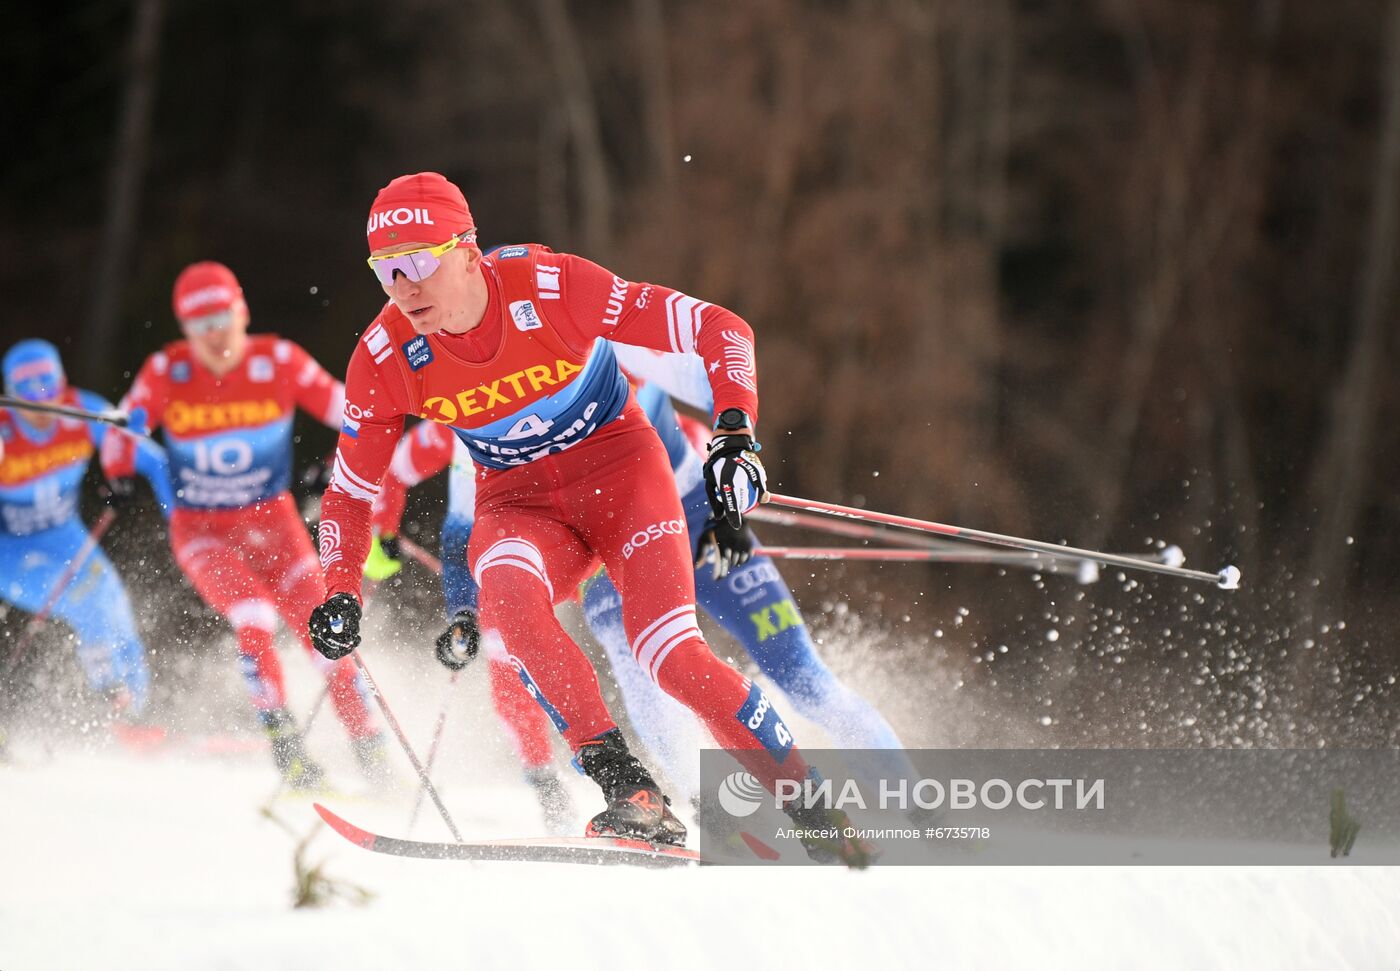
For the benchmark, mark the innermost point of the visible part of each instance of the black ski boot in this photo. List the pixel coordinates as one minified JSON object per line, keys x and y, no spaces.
{"x":298,"y":769}
{"x":554,"y":800}
{"x":823,"y":836}
{"x":636,"y":807}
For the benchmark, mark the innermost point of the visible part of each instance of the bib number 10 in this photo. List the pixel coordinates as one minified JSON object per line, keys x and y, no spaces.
{"x":228,"y":456}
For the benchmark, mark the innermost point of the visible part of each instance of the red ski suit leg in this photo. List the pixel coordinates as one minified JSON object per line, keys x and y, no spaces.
{"x":254,"y":565}
{"x":537,"y":530}
{"x":526,"y":561}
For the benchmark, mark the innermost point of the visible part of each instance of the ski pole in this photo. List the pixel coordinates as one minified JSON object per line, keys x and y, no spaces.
{"x":39,"y":620}
{"x":1228,"y":577}
{"x":432,"y":563}
{"x":433,"y":747}
{"x":836,"y":527}
{"x":1087,"y":570}
{"x":315,"y":709}
{"x":408,"y":749}
{"x":111,"y":416}
{"x":1171,"y":556}
{"x":888,"y":555}
{"x":421,"y":555}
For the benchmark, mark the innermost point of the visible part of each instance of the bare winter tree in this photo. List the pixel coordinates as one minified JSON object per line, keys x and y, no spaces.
{"x":580,"y":109}
{"x":125,"y":182}
{"x":1341,"y":483}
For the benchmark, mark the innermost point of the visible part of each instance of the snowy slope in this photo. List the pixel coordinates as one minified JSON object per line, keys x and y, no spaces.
{"x":114,"y":861}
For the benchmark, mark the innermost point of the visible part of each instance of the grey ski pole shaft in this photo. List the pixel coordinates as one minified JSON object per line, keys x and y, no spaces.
{"x":434,"y":564}
{"x":1227,"y":578}
{"x":433,"y":748}
{"x":111,"y":416}
{"x":408,"y":749}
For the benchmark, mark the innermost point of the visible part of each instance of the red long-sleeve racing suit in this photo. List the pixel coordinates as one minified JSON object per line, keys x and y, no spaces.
{"x":571,"y":473}
{"x":235,"y":531}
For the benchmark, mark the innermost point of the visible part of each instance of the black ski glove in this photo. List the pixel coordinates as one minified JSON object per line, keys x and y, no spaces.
{"x":389,"y":543}
{"x":457,"y":646}
{"x":335,"y":626}
{"x":734,"y":478}
{"x":730,"y":547}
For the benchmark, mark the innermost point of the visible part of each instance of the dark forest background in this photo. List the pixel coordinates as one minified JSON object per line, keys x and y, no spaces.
{"x":1106,"y":271}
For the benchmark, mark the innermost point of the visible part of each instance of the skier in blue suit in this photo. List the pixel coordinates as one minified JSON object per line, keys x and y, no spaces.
{"x":42,"y":532}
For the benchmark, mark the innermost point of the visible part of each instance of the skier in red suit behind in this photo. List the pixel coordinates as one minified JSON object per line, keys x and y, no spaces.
{"x":509,"y":351}
{"x":225,"y":399}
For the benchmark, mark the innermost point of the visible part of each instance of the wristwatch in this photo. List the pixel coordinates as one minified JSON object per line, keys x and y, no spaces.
{"x":731,"y":420}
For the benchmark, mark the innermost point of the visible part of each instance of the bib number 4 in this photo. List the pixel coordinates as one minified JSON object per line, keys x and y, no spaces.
{"x":531,"y":426}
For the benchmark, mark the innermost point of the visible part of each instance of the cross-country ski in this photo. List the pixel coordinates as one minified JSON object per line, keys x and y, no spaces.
{"x":597,"y":850}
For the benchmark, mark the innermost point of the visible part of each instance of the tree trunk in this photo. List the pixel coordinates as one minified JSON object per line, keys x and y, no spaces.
{"x":581,"y":112}
{"x":1172,"y":155}
{"x":552,"y":193}
{"x":785,"y":134}
{"x":1341,"y":472}
{"x":126,"y":176}
{"x":656,"y":92}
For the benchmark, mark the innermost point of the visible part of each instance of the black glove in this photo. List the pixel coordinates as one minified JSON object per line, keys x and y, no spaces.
{"x":734,"y":478}
{"x":731,"y":547}
{"x":390,"y":545}
{"x":335,"y":626}
{"x":457,"y":645}
{"x":120,"y":492}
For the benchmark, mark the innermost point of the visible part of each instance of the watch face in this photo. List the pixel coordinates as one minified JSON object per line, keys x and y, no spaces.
{"x":731,"y":419}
